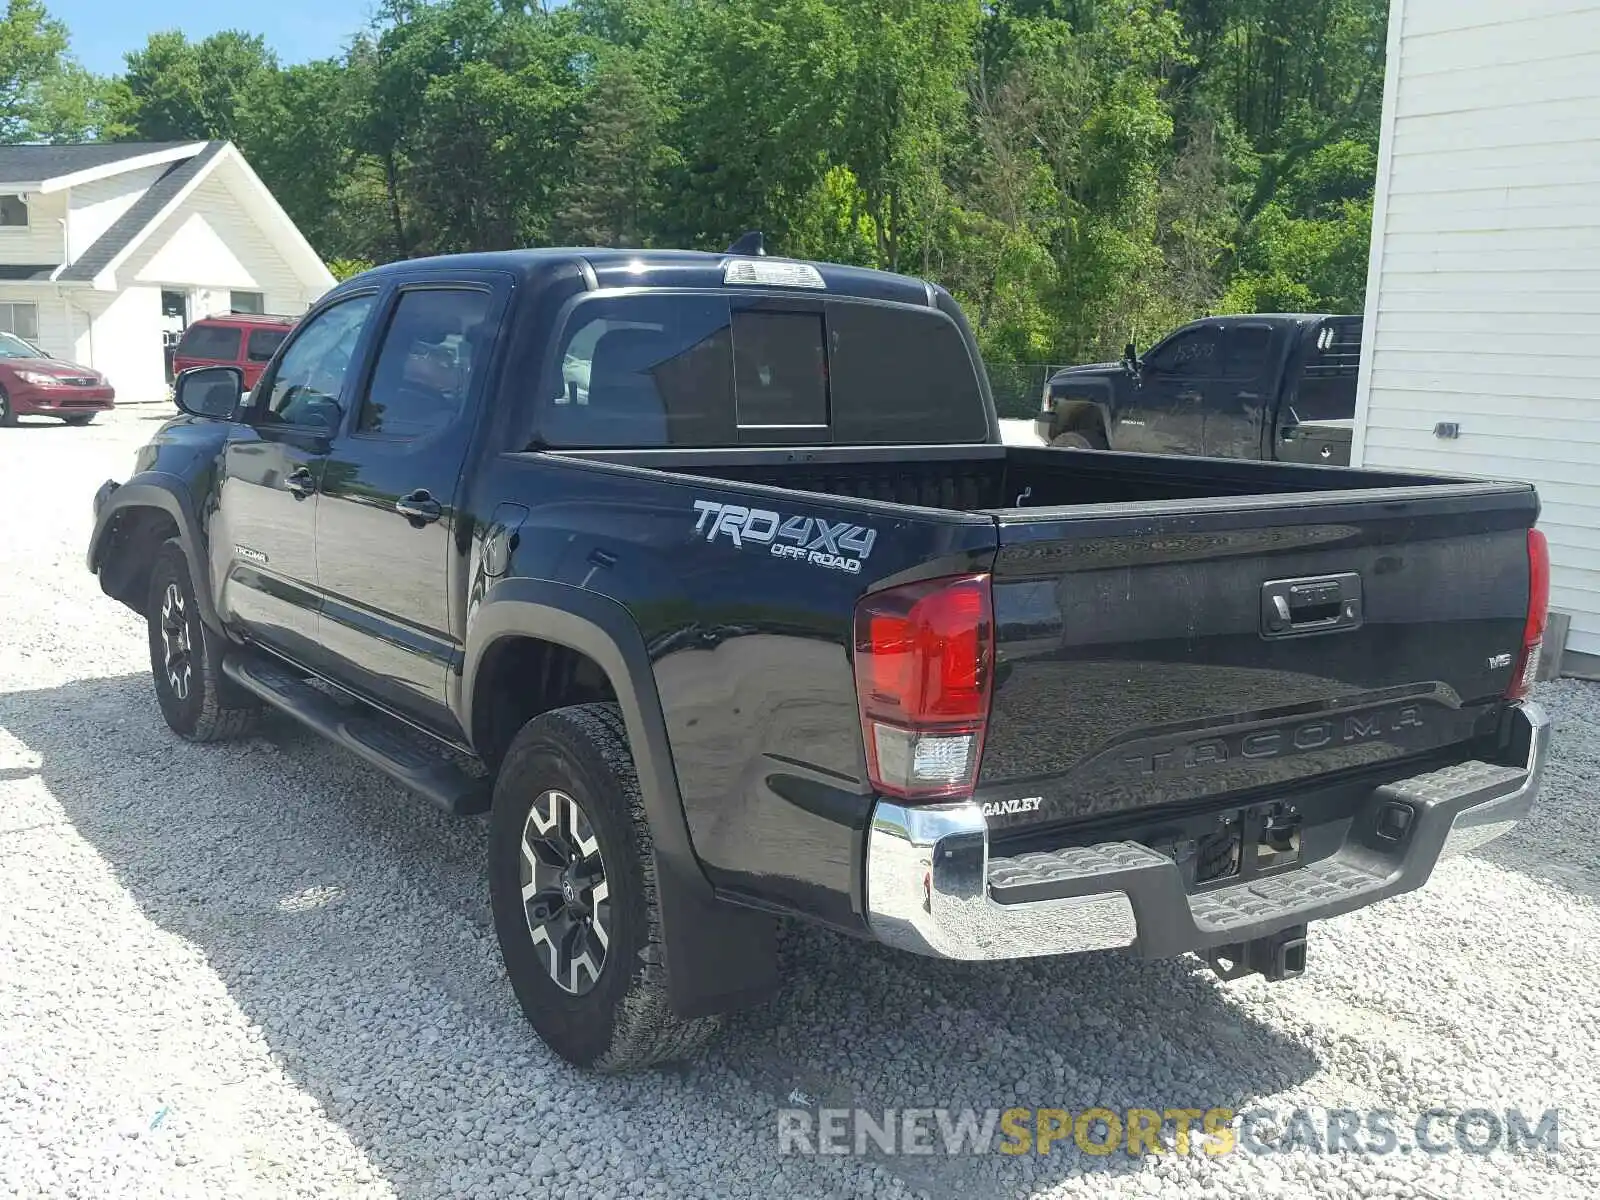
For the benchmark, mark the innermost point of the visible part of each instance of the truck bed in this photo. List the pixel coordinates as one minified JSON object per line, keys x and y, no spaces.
{"x":1136,"y":669}
{"x":993,"y":478}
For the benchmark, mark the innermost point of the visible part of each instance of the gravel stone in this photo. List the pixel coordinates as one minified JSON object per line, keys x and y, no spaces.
{"x":292,"y":960}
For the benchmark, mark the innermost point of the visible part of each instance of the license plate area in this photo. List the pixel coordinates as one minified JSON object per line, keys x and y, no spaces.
{"x":1243,"y":844}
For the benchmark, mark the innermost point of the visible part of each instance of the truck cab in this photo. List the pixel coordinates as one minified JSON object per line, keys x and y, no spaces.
{"x":1270,"y":387}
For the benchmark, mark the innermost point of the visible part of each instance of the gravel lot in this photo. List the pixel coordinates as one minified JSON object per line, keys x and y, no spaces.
{"x":259,"y":970}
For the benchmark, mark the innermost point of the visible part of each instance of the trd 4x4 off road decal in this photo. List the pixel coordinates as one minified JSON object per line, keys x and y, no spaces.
{"x":839,"y":547}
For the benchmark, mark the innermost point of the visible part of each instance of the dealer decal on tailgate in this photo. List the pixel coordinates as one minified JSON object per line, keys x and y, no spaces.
{"x":839,"y":547}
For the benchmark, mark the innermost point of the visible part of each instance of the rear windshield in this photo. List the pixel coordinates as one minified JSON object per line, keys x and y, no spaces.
{"x":690,"y":370}
{"x":264,"y":343}
{"x":210,"y":341}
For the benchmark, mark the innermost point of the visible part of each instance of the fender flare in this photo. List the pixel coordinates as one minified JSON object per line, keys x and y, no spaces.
{"x":169,"y":494}
{"x":719,"y":956}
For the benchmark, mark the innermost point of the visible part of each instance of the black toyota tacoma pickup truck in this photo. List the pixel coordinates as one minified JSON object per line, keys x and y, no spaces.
{"x":1271,"y":386}
{"x":622,"y":547}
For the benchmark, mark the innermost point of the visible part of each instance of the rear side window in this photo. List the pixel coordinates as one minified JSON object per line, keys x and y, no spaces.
{"x":264,"y":343}
{"x":1248,"y":347}
{"x":695,"y":370}
{"x":219,"y":342}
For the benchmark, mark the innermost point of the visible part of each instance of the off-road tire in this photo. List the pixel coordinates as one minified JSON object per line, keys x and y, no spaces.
{"x":625,"y":1021}
{"x":212,"y":707}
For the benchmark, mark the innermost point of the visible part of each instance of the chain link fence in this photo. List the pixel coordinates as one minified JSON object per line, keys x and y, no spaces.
{"x":1018,"y":386}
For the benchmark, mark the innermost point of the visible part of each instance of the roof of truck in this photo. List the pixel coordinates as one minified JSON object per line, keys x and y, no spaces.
{"x":1284,"y":318}
{"x":669,"y":268}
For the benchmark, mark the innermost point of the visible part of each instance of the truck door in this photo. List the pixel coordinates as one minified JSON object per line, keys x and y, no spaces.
{"x":1165,"y":412}
{"x":263,"y":566}
{"x":1236,"y":403}
{"x":388,"y":512}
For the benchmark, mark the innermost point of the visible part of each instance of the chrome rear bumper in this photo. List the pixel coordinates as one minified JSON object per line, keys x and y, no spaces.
{"x":933,"y":888}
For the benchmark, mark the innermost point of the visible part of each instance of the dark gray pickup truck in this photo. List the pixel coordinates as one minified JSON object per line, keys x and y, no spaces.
{"x":623,"y":548}
{"x":1274,"y":387}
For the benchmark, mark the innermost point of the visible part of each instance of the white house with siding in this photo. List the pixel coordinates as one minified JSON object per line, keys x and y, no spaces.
{"x":1482,"y":341}
{"x":107,"y":249}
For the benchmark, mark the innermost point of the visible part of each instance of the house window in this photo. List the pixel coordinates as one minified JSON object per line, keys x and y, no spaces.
{"x":247,"y":302}
{"x":13,"y":211}
{"x":20,"y":319}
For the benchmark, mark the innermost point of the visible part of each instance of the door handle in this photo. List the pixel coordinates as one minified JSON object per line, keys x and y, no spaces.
{"x":1192,"y":397}
{"x":418,"y":507}
{"x":1295,"y":607}
{"x":300,"y":483}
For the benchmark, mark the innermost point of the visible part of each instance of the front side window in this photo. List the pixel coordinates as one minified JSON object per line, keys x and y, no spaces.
{"x":1192,"y":354}
{"x":310,"y":377}
{"x":20,"y":319}
{"x":425,"y":367}
{"x":13,"y":211}
{"x":217,"y":343}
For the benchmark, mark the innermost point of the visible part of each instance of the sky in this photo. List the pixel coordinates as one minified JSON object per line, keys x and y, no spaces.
{"x":104,"y":30}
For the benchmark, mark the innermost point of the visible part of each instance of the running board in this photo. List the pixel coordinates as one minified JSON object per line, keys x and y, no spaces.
{"x":380,"y":739}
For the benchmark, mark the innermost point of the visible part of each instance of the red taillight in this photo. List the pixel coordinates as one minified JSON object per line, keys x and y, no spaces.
{"x":1538,"y":612}
{"x":924,"y":657}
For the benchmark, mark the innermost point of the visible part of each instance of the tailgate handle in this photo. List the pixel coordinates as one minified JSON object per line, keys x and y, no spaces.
{"x":1319,"y":604}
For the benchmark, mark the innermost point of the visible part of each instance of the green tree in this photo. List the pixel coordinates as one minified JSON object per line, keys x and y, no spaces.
{"x":613,"y":198}
{"x":1078,"y":172}
{"x":176,"y":89}
{"x":45,"y":96}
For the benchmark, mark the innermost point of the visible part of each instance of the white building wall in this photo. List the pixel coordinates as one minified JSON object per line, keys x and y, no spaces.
{"x":43,"y":240}
{"x":1483,"y":301}
{"x":94,"y":207}
{"x":211,"y":243}
{"x":126,"y":340}
{"x":55,"y":329}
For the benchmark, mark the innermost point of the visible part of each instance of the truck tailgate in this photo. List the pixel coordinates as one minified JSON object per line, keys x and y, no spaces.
{"x":1176,"y":654}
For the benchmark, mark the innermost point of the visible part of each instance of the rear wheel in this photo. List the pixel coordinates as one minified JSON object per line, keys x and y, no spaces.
{"x":572,"y":881}
{"x":197,"y":700}
{"x":1084,"y":437}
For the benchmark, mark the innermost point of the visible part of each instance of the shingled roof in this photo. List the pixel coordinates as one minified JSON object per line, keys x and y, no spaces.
{"x":40,"y":164}
{"x":126,"y":228}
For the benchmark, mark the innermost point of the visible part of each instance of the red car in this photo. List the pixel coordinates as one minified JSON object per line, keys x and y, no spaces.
{"x":34,"y":384}
{"x":243,"y":340}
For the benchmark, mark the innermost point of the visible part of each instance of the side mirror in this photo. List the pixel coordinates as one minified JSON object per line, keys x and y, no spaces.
{"x":1130,"y":357}
{"x":209,"y":392}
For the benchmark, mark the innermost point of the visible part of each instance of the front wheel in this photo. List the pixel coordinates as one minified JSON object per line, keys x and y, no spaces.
{"x":197,"y":700}
{"x":572,"y":882}
{"x":8,"y":415}
{"x":80,"y":419}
